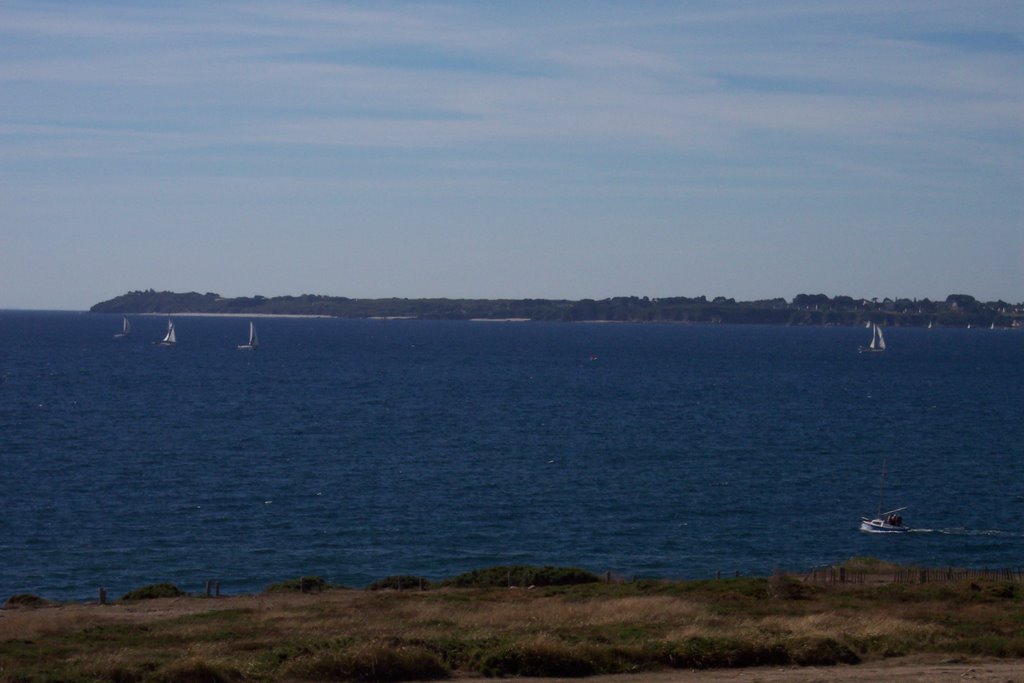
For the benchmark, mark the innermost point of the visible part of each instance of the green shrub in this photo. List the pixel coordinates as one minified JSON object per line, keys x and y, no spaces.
{"x":870,"y":565}
{"x":536,"y":659}
{"x":155,"y":590}
{"x":374,"y":662}
{"x":823,"y":652}
{"x":742,"y":591}
{"x":25,"y":600}
{"x":1004,"y":589}
{"x":522,"y":575}
{"x":403,"y":582}
{"x":715,"y":653}
{"x":993,"y":644}
{"x":303,"y":584}
{"x":120,"y":672}
{"x":786,"y":587}
{"x":196,"y":671}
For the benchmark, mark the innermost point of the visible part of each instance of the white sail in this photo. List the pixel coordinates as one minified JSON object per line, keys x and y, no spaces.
{"x":126,"y":329}
{"x":253,"y":341}
{"x":878,"y":341}
{"x":170,"y":338}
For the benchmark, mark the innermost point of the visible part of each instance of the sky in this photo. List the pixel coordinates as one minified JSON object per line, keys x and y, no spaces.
{"x":524,"y":149}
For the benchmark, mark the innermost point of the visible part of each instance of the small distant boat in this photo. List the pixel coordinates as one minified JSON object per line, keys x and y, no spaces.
{"x":884,"y":522}
{"x":253,"y":341}
{"x":877,"y":344}
{"x":126,"y":329}
{"x":170,"y":339}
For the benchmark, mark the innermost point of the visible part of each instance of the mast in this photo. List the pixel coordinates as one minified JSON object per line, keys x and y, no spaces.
{"x":881,"y":490}
{"x":877,"y":340}
{"x":253,"y":341}
{"x":170,"y":338}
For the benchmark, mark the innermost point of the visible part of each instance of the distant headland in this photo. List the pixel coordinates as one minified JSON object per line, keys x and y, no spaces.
{"x":957,"y":310}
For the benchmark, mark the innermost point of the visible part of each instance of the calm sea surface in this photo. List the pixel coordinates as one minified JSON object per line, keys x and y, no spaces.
{"x":357,"y":449}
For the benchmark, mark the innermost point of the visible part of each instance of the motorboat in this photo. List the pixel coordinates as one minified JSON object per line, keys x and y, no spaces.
{"x":887,"y":522}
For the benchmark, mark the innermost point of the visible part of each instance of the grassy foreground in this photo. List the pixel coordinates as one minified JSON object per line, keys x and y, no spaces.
{"x":556,"y":630}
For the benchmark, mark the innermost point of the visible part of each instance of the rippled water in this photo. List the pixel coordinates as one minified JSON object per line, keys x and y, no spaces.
{"x":359,"y":449}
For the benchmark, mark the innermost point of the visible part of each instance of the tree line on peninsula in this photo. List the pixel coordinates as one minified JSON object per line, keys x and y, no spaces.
{"x":957,"y":310}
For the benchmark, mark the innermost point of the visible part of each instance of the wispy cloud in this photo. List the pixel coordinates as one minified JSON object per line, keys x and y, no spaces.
{"x":650,"y":102}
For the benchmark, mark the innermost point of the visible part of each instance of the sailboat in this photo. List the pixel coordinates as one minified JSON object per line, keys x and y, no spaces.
{"x":126,"y":329}
{"x":884,"y":522}
{"x":877,"y":341}
{"x":169,"y":339}
{"x":253,"y":341}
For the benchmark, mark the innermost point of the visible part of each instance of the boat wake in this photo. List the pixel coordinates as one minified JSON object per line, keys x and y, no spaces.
{"x":960,"y":531}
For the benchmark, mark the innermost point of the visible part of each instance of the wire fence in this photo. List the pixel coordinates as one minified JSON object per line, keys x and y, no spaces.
{"x":910,"y":575}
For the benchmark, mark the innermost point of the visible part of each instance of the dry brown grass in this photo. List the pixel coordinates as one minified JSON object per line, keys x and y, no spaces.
{"x":594,"y":629}
{"x":30,"y":623}
{"x":847,"y":626}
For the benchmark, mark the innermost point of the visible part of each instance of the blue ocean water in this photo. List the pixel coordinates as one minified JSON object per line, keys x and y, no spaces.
{"x":357,"y":449}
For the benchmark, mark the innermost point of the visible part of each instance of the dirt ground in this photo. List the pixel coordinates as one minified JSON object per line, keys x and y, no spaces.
{"x":904,"y":670}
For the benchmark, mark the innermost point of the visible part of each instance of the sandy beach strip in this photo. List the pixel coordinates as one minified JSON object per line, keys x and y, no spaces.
{"x":499,"y":320}
{"x":234,"y":315}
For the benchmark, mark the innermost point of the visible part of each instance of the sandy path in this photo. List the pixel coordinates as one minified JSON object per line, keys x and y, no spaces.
{"x":902,"y":670}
